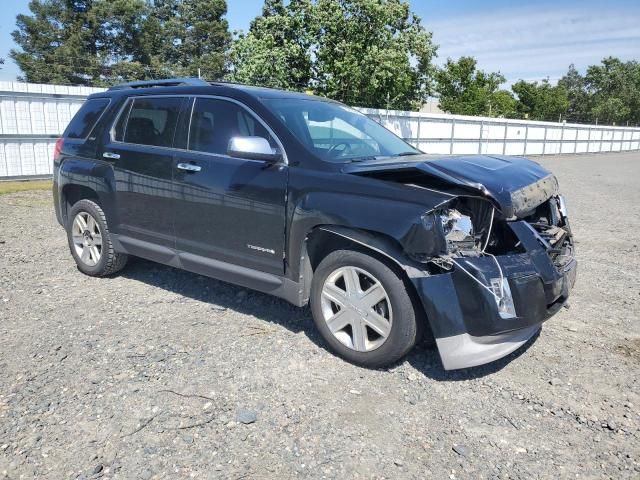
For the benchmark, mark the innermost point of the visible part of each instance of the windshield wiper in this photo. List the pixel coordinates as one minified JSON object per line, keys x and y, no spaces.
{"x":407,"y":154}
{"x":362,"y":159}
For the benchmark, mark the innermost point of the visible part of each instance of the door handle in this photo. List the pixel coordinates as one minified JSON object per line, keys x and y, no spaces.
{"x":189,"y":167}
{"x":112,"y":156}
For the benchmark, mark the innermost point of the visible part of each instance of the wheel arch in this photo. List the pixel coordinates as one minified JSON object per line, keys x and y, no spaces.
{"x":324,"y":239}
{"x":72,"y":193}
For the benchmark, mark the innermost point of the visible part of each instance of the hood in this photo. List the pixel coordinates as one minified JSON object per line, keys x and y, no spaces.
{"x":516,"y":184}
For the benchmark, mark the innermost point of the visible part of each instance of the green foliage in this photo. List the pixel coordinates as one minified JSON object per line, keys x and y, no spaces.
{"x":615,"y":90}
{"x":276,"y":52}
{"x":372,"y":53}
{"x":608,"y":93}
{"x":100,"y":42}
{"x":579,"y":109}
{"x":186,"y":35}
{"x":540,"y":101}
{"x":465,"y":90}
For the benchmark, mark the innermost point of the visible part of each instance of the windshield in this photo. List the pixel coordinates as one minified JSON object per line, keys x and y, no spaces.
{"x":337,"y":133}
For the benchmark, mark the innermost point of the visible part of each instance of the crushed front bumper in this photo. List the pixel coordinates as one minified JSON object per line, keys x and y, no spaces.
{"x":464,"y":317}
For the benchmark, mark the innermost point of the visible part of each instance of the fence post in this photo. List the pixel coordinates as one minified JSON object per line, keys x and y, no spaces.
{"x":504,"y":141}
{"x":544,"y":141}
{"x":588,"y":141}
{"x":526,"y":137}
{"x":453,"y":131}
{"x":561,"y":138}
{"x":480,"y":139}
{"x":417,"y":145}
{"x":601,"y":137}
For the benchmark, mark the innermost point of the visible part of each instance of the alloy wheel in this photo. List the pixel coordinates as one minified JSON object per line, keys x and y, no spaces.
{"x":87,"y":239}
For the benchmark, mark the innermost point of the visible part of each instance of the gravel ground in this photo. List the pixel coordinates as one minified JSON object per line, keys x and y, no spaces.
{"x":158,"y":373}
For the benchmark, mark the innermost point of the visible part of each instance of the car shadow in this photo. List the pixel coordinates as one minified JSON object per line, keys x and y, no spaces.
{"x":222,"y":295}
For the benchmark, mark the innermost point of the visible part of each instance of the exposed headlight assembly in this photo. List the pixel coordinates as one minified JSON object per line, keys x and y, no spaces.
{"x":458,"y":230}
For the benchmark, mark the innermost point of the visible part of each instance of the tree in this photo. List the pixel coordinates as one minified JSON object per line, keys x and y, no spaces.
{"x":188,"y":36}
{"x":540,"y":101}
{"x":579,"y":109}
{"x":100,"y":42}
{"x":276,"y":52}
{"x":615,"y":90}
{"x":372,"y":53}
{"x":465,"y":90}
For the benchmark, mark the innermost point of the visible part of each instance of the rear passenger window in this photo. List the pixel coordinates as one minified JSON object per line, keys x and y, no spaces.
{"x":86,"y":118}
{"x":152,"y":121}
{"x":215,"y":122}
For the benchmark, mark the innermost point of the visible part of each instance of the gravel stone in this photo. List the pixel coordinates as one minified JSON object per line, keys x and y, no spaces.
{"x":461,"y":450}
{"x":246,"y":416}
{"x":155,"y":355}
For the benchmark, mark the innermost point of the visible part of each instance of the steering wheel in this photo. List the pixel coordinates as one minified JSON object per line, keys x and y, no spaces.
{"x":335,"y":146}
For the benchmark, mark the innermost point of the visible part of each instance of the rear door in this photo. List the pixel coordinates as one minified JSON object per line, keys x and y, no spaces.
{"x":140,"y":148}
{"x":227,"y":209}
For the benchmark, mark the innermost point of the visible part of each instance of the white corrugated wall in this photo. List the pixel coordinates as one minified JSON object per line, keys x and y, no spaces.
{"x":32,"y":116}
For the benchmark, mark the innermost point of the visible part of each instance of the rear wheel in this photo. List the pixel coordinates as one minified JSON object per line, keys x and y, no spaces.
{"x":362,"y":309}
{"x":90,"y":240}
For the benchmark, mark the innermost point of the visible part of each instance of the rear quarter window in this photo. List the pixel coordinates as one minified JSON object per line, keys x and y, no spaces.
{"x":86,"y":118}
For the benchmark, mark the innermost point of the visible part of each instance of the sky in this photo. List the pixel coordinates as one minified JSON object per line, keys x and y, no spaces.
{"x":529,"y":40}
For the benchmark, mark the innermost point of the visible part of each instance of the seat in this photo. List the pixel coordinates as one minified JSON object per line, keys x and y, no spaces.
{"x":142,"y":131}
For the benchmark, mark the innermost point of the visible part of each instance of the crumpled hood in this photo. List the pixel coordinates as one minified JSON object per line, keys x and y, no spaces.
{"x":516,"y":184}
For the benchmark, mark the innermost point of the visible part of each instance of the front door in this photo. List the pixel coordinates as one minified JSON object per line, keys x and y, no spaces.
{"x":228,"y":209}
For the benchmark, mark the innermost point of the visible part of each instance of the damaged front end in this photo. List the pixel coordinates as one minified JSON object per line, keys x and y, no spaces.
{"x":493,"y":280}
{"x":497,"y":258}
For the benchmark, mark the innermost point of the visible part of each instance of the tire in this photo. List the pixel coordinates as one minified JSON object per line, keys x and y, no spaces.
{"x":90,"y":243}
{"x":397,"y":308}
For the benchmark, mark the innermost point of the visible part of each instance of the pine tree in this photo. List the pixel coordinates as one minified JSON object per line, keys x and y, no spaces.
{"x":101,"y":42}
{"x":189,"y":36}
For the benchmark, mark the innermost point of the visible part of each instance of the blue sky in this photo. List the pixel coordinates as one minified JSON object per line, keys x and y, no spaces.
{"x":531,"y":40}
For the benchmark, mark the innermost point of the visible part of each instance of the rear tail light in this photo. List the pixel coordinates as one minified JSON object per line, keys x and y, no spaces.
{"x":57,"y":151}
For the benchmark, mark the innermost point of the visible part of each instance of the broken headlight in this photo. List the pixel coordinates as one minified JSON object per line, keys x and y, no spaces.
{"x":458,"y":230}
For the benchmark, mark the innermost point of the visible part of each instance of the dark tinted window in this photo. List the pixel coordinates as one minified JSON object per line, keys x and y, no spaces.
{"x":152,"y":121}
{"x":86,"y":118}
{"x":215,"y":122}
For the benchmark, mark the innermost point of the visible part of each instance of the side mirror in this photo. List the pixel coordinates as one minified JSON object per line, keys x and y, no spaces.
{"x":253,"y":148}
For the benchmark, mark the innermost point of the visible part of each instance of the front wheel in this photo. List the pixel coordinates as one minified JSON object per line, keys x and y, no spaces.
{"x":362,"y":309}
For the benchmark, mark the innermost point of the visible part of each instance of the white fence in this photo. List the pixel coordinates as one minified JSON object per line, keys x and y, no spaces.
{"x":458,"y":134}
{"x":32,"y":116}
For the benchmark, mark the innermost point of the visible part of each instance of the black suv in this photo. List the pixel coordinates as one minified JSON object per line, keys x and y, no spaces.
{"x":311,"y":201}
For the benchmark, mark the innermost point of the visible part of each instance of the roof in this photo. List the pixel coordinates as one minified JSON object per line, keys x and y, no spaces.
{"x":187,"y":85}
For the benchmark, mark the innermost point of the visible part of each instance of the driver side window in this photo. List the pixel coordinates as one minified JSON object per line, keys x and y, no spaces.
{"x":214,"y":122}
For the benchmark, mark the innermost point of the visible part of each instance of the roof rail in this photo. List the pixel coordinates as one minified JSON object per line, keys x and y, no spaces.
{"x":168,"y":82}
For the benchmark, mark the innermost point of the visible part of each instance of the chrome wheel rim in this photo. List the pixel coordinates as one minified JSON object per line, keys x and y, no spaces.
{"x":87,"y":239}
{"x":356,"y":309}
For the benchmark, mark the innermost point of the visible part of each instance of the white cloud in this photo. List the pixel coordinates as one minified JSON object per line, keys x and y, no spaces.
{"x":535,"y":43}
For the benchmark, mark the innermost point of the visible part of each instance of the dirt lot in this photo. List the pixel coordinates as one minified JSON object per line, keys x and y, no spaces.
{"x":149,"y":374}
